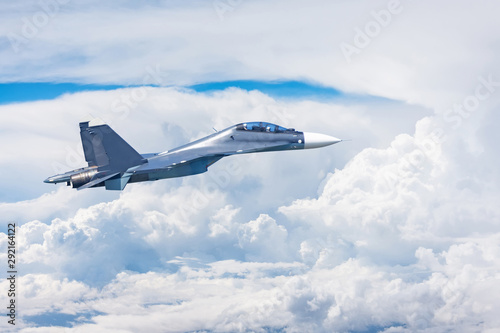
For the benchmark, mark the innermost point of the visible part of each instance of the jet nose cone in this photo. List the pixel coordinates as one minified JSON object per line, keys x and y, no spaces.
{"x":49,"y":180}
{"x":316,"y":140}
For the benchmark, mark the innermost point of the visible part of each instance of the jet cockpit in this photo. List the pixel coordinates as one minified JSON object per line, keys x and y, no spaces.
{"x":263,"y":127}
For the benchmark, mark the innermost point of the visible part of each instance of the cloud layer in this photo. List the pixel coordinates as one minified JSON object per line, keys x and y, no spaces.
{"x":403,"y":237}
{"x":172,"y":43}
{"x":396,"y":231}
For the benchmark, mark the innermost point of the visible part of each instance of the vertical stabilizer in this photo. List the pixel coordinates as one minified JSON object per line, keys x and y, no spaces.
{"x":106,"y":149}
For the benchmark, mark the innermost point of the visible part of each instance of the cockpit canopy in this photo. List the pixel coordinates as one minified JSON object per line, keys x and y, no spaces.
{"x":257,"y":126}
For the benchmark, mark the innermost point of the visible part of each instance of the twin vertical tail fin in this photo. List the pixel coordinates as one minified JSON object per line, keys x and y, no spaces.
{"x":107,"y":151}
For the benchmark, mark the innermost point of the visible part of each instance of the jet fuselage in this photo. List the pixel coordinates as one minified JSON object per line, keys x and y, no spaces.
{"x":113,"y":163}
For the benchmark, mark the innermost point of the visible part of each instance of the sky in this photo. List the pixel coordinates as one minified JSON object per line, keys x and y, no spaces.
{"x":396,"y":230}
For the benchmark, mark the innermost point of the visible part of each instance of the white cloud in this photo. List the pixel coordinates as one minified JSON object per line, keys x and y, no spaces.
{"x":260,"y":40}
{"x":395,"y":231}
{"x":50,"y":139}
{"x":394,"y":241}
{"x":408,"y":194}
{"x":263,"y":239}
{"x":456,"y":291}
{"x":406,"y":227}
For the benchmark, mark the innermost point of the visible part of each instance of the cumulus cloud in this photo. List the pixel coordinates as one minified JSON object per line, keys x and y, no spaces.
{"x":179,"y":117}
{"x":263,"y":239}
{"x":393,"y":242}
{"x":400,"y":238}
{"x":408,"y":194}
{"x":395,"y":231}
{"x":449,"y":289}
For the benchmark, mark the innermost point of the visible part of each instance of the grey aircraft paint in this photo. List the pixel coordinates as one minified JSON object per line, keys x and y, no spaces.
{"x":113,"y":163}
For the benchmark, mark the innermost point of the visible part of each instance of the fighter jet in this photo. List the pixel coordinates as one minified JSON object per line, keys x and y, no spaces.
{"x":113,"y":163}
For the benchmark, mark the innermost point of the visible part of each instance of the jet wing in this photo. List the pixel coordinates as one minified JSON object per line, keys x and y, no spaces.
{"x":177,"y":164}
{"x":196,"y":162}
{"x":176,"y":158}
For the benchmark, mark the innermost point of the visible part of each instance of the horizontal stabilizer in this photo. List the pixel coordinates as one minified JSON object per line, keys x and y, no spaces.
{"x":117,"y":184}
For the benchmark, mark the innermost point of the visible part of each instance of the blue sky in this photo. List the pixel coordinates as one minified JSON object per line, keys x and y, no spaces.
{"x":32,"y":91}
{"x":396,"y":230}
{"x":293,"y":89}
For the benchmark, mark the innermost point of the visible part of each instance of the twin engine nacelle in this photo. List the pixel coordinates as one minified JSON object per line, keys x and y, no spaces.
{"x":82,"y":178}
